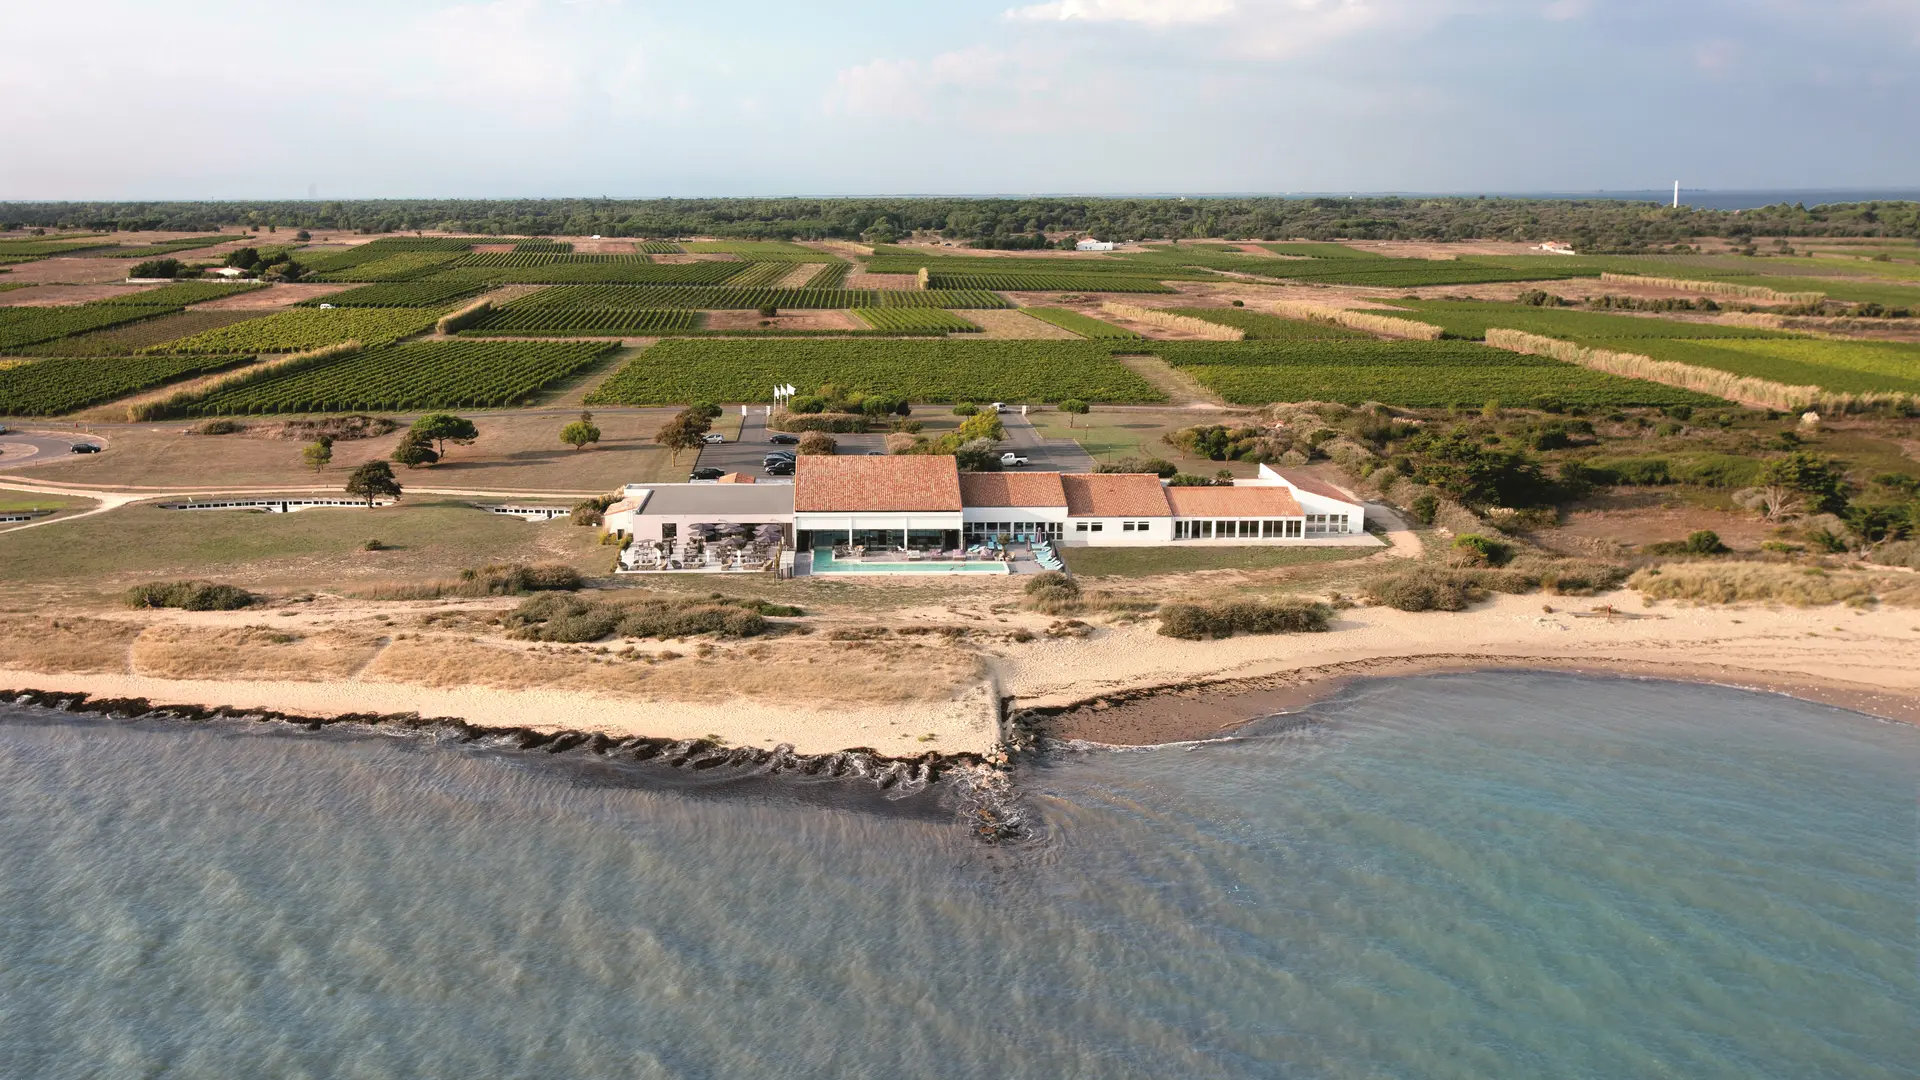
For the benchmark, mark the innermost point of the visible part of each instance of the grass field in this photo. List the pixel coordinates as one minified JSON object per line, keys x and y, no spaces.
{"x":424,"y":375}
{"x":1152,"y":562}
{"x":684,"y":370}
{"x":1085,"y":325}
{"x":1261,"y":326}
{"x":180,"y":294}
{"x":1321,"y":251}
{"x":1472,"y":320}
{"x":1411,"y":373}
{"x":426,"y":538}
{"x":1845,"y":366}
{"x":23,"y":326}
{"x":301,"y":329}
{"x":762,"y":250}
{"x":59,"y":384}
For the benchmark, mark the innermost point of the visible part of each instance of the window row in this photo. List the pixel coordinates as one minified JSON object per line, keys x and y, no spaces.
{"x":1267,"y":529}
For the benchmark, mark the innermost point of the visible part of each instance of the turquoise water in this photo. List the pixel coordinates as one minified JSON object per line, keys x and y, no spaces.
{"x":825,"y":563}
{"x":1478,"y":876}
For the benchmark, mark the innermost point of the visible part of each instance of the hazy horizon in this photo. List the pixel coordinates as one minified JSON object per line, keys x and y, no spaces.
{"x":520,"y":98}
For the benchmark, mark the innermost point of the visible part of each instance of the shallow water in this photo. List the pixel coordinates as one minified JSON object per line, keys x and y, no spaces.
{"x":1454,"y":876}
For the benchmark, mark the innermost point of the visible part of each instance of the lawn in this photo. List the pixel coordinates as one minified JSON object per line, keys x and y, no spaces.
{"x":428,"y":539}
{"x":1155,"y":561}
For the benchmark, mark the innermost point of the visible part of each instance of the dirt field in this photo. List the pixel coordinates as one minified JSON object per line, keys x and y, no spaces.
{"x":67,"y":272}
{"x":516,"y":451}
{"x":65,"y":295}
{"x":1016,"y":324}
{"x":1648,"y":515}
{"x":273,"y":297}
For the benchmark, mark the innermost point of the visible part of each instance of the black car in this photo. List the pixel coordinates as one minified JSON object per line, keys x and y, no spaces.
{"x":86,"y":448}
{"x":779,"y":468}
{"x":777,"y":455}
{"x":783,"y":438}
{"x":706,"y":472}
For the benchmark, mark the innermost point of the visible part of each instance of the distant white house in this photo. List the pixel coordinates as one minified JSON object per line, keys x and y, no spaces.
{"x":1555,"y":247}
{"x":1090,"y":244}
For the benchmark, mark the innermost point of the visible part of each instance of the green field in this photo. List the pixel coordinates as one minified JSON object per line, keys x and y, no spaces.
{"x":1427,"y":374}
{"x":1261,"y":326}
{"x":1322,"y":251}
{"x":397,"y":294}
{"x":130,"y":338}
{"x":62,"y":384}
{"x":1857,"y":367}
{"x":912,"y":319}
{"x":180,"y":294}
{"x":700,"y":298}
{"x":300,"y":329}
{"x":561,"y":322}
{"x":394,"y":266}
{"x":38,"y":247}
{"x":1045,"y":282}
{"x":1472,"y":320}
{"x":424,"y":375}
{"x":1085,"y":325}
{"x":23,"y":326}
{"x":684,"y":370}
{"x":761,"y":251}
{"x":168,"y":247}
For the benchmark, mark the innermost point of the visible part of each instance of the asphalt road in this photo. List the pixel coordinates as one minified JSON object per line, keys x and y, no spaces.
{"x":37,"y":448}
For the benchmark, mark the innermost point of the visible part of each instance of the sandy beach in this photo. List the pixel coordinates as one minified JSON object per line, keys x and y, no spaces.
{"x":1127,"y":684}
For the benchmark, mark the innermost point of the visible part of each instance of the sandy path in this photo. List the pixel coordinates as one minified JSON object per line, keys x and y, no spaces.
{"x":1180,"y":387}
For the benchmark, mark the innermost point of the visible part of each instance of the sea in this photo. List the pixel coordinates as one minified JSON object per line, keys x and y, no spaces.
{"x":1456,"y":876}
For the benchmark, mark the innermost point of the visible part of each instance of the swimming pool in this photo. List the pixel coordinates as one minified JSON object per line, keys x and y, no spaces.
{"x":825,"y":563}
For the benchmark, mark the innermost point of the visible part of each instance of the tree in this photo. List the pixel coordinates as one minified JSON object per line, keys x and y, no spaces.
{"x":818,"y":443}
{"x":1820,"y":480}
{"x":676,"y":435}
{"x":319,"y":452}
{"x":443,"y":428}
{"x":1074,"y":407}
{"x":373,"y":480}
{"x":414,"y":451}
{"x":978,"y":455}
{"x":582,"y":431}
{"x":156,"y":268}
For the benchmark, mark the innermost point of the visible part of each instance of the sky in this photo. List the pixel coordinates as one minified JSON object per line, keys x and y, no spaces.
{"x":130,"y":99}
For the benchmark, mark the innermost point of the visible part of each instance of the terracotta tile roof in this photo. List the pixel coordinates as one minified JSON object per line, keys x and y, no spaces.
{"x":735,"y":478}
{"x":827,"y":484}
{"x":1115,"y":495}
{"x":1316,"y":487}
{"x":1233,"y":502}
{"x":1012,"y":489}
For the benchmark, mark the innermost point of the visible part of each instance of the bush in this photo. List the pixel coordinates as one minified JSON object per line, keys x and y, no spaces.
{"x":509,"y":579}
{"x":1424,"y":508}
{"x":1200,"y":622}
{"x":838,"y":423}
{"x":156,"y":268}
{"x":966,"y":408}
{"x":818,"y":443}
{"x":1482,"y":551}
{"x":1424,"y":590}
{"x":220,"y":427}
{"x":190,"y":596}
{"x":1053,"y":593}
{"x":1160,"y":467}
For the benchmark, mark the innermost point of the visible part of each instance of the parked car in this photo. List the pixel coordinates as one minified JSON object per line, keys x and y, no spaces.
{"x":5,"y":430}
{"x":783,"y":438}
{"x":778,"y":455}
{"x":876,"y":453}
{"x":713,"y":437}
{"x":779,"y":468}
{"x":86,"y":448}
{"x":1012,"y":461}
{"x":706,"y":472}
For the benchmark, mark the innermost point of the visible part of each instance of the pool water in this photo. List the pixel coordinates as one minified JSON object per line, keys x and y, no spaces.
{"x":825,"y":563}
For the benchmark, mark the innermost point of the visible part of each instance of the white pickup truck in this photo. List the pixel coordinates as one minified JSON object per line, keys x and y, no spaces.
{"x":1012,"y":461}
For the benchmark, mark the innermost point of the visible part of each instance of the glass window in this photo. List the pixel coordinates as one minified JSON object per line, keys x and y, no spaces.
{"x":1098,"y":525}
{"x":1079,"y":526}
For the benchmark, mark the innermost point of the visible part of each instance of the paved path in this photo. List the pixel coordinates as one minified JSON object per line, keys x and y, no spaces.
{"x":23,"y":448}
{"x":1047,"y":455}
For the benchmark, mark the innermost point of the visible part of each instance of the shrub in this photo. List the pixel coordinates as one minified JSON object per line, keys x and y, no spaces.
{"x":220,"y":427}
{"x":1053,"y":593}
{"x":1424,"y":590}
{"x":966,"y":408}
{"x":190,"y":596}
{"x":838,"y":423}
{"x":818,"y":443}
{"x":156,"y":268}
{"x":507,"y":579}
{"x":1160,"y":467}
{"x":1481,"y":551}
{"x":1200,"y":622}
{"x":1424,"y":508}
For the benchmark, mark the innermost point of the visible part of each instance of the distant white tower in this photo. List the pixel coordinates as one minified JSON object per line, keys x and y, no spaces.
{"x":1676,"y":194}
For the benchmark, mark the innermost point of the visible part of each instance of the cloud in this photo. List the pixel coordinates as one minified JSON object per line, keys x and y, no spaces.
{"x":1151,"y":12}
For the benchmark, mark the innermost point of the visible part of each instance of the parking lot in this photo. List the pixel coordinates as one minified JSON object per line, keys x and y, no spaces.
{"x":746,"y":455}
